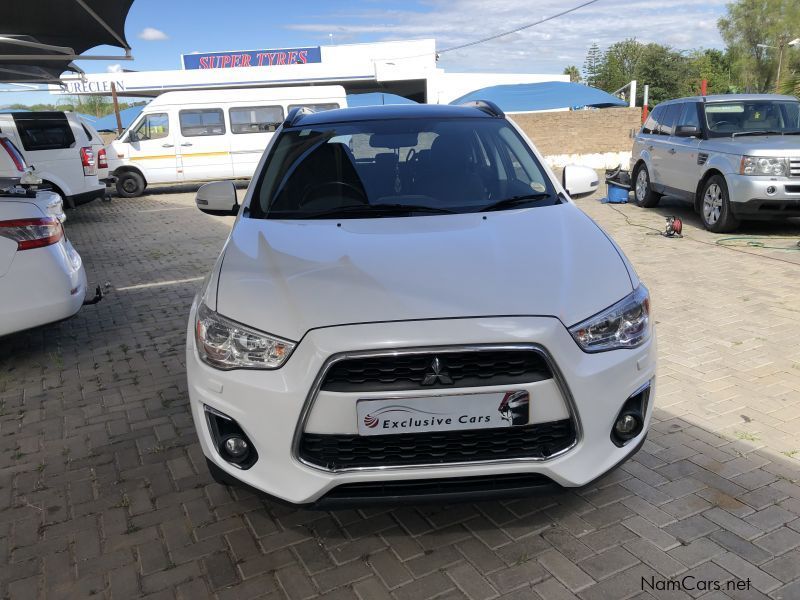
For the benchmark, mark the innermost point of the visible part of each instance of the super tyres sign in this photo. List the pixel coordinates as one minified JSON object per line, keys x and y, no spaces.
{"x":252,"y":58}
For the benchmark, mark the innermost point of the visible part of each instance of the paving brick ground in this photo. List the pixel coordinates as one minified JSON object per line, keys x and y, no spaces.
{"x":104,"y":491}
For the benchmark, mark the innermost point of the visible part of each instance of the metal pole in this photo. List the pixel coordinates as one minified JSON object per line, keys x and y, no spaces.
{"x":704,"y":87}
{"x":116,"y":107}
{"x":780,"y":60}
{"x":633,"y":94}
{"x":645,"y":105}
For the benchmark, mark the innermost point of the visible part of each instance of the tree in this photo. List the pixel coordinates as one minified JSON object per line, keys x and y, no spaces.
{"x":619,"y":64}
{"x":97,"y":106}
{"x":664,"y":70}
{"x":592,"y":64}
{"x":574,"y":74}
{"x":715,"y":67}
{"x":749,"y":28}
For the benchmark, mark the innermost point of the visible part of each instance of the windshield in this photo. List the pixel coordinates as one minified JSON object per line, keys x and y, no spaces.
{"x":752,"y":116}
{"x":399,"y":167}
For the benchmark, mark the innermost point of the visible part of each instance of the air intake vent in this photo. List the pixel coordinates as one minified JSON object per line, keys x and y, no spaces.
{"x":702,"y":158}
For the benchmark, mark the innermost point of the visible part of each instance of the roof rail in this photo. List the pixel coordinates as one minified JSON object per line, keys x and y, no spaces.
{"x":490,"y":108}
{"x":295,"y":114}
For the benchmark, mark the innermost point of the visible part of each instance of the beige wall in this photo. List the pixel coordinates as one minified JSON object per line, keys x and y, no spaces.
{"x":591,"y":137}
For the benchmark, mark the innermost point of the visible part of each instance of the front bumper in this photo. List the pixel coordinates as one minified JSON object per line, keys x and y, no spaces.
{"x":271,"y":406}
{"x":755,"y":197}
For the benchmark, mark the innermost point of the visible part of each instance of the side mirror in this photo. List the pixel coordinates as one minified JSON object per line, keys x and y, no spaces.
{"x":218,"y":198}
{"x":132,"y":137}
{"x":579,"y":181}
{"x":687,"y":131}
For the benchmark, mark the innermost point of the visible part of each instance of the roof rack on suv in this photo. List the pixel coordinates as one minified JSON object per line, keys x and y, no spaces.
{"x":295,"y":114}
{"x":490,"y":108}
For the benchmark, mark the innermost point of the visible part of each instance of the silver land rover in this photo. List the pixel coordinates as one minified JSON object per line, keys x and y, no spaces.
{"x":734,"y":156}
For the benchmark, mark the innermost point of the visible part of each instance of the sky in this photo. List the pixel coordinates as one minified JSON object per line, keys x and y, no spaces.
{"x":160,"y":30}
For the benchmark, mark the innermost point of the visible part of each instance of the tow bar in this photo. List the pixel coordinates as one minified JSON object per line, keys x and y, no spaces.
{"x":98,"y":295}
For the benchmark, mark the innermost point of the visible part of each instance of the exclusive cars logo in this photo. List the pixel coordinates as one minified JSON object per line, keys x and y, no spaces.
{"x":513,"y":409}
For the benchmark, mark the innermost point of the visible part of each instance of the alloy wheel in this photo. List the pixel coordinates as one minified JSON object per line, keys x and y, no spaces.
{"x":641,"y":185}
{"x":712,"y":203}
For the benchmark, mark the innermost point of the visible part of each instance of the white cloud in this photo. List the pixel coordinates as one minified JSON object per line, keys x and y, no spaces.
{"x":151,"y":34}
{"x":545,"y":48}
{"x":117,"y":68}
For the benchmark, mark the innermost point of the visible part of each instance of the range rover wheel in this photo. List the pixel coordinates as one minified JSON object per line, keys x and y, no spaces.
{"x":715,"y":208}
{"x":643,"y":194}
{"x":130,"y":184}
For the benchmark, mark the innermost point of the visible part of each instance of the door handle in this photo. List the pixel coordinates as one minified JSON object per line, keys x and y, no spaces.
{"x":167,"y":145}
{"x":186,"y":144}
{"x":672,"y":150}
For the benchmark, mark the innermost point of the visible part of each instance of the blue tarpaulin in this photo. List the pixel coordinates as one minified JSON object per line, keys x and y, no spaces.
{"x":548,"y":95}
{"x":109,"y":122}
{"x":376,"y":99}
{"x":91,"y":119}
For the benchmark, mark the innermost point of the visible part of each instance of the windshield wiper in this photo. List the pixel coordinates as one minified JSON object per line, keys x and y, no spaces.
{"x":737,"y":133}
{"x":367,"y":210}
{"x":514,"y":201}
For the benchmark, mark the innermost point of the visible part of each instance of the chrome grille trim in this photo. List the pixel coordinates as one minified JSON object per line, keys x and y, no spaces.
{"x":315,"y":389}
{"x":794,"y":167}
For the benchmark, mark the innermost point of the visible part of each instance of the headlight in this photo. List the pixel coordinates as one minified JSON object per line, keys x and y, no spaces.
{"x":764,"y":165}
{"x":225,"y":344}
{"x":624,"y":325}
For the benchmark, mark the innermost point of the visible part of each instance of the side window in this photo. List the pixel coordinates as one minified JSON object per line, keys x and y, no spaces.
{"x":255,"y":119}
{"x":316,"y":107}
{"x":45,"y":133}
{"x":690,"y":116}
{"x":651,"y":124}
{"x":153,"y":127}
{"x":202,"y":122}
{"x":671,"y":114}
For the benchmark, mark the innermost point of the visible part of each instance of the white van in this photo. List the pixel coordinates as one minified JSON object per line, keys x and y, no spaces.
{"x":62,"y":149}
{"x":207,"y":135}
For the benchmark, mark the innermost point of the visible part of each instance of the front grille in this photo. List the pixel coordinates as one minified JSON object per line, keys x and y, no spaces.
{"x":794,"y":167}
{"x":337,"y":452}
{"x":459,"y":369}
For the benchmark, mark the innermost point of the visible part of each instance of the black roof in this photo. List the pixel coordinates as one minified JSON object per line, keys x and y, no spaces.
{"x":390,"y":111}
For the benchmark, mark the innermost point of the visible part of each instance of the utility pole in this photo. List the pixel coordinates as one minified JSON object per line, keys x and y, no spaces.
{"x":116,"y":107}
{"x":781,"y":45}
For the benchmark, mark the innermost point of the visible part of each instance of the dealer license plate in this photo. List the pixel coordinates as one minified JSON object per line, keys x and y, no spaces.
{"x":389,"y":416}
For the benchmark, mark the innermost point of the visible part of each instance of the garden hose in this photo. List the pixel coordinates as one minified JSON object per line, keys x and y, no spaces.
{"x":752,"y":241}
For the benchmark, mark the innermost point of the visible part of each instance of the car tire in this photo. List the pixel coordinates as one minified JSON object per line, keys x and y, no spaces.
{"x":643,"y":194}
{"x":715,"y":206}
{"x":130,"y":184}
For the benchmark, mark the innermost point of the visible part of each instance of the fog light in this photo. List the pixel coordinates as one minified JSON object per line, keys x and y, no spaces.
{"x":771,"y":190}
{"x":236,"y":447}
{"x":230,"y":440}
{"x":629,"y":423}
{"x":627,"y":426}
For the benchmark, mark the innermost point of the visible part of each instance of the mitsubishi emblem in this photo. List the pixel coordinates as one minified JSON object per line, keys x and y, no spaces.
{"x":439,"y":375}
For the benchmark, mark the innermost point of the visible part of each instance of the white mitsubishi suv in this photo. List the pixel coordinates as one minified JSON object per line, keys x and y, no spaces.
{"x":411,"y":308}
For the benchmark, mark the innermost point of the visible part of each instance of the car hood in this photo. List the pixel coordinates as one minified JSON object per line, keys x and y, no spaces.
{"x":761,"y":145}
{"x":287,"y":277}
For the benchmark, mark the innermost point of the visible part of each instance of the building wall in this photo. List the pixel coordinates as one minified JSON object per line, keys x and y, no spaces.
{"x":595,"y":138}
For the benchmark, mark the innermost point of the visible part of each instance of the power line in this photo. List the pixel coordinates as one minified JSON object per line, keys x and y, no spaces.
{"x":522,"y":27}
